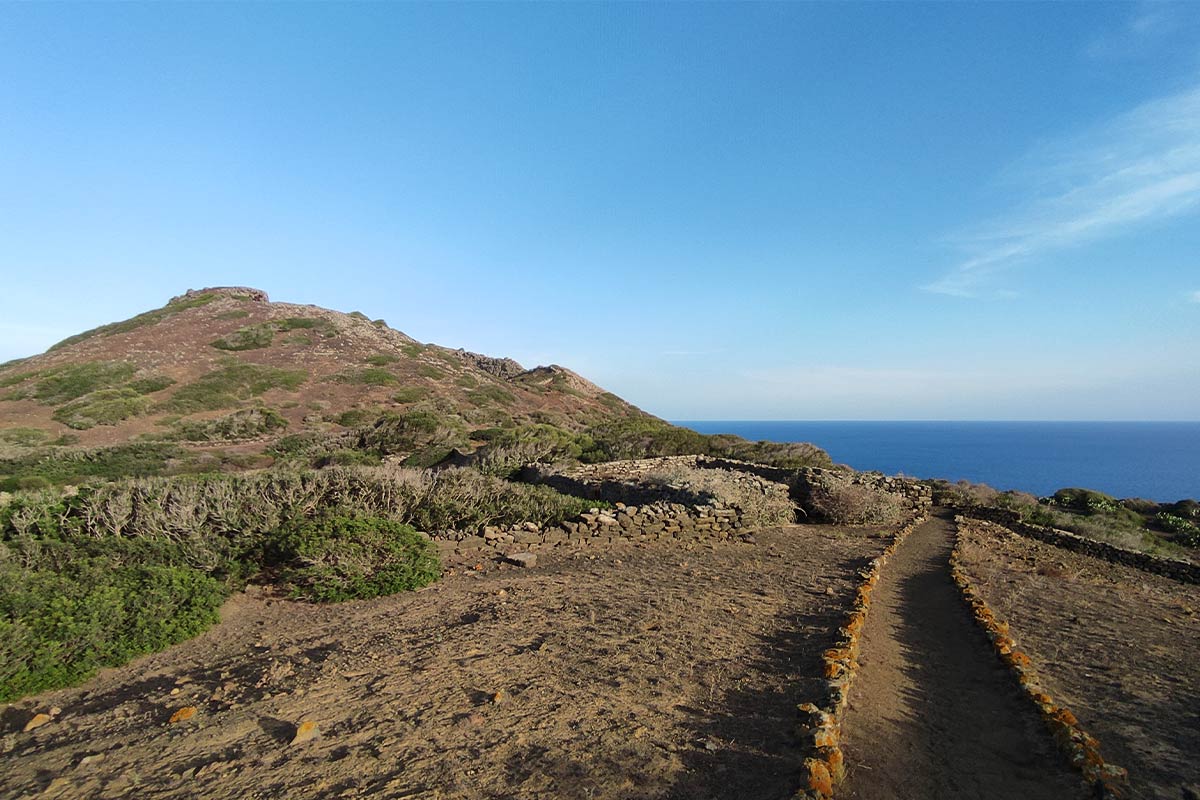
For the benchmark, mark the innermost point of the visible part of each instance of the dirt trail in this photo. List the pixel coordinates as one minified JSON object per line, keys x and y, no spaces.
{"x":933,"y":712}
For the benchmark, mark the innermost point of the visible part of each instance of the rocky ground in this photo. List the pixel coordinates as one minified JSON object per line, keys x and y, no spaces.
{"x":1117,"y":646}
{"x":643,"y":671}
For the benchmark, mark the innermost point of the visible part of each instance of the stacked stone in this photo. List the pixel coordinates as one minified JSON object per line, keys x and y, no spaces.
{"x":1182,"y":571}
{"x":604,"y":526}
{"x":821,"y":726}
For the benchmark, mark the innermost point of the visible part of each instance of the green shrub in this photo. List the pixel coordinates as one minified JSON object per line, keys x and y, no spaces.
{"x":74,"y":466}
{"x":58,"y":626}
{"x":343,"y":555}
{"x":251,"y":337}
{"x":230,"y":385}
{"x":15,"y":378}
{"x":150,"y":384}
{"x":491,"y":396}
{"x":72,"y":381}
{"x":412,"y":350}
{"x":104,"y":407}
{"x":235,"y":314}
{"x":382,"y":359}
{"x":410,"y":394}
{"x":24,"y":437}
{"x":430,"y":371}
{"x":245,"y":424}
{"x":315,"y":324}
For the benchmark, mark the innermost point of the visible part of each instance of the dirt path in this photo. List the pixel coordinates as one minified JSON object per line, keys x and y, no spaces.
{"x":933,"y":713}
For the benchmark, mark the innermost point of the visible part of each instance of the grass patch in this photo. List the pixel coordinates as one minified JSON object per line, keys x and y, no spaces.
{"x":237,"y":313}
{"x":412,"y":350}
{"x":140,"y":321}
{"x":382,"y":359}
{"x":103,"y":407}
{"x":230,"y":385}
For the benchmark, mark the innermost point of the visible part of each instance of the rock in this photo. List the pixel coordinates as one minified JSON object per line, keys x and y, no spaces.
{"x":89,"y":761}
{"x":185,"y":713}
{"x":306,"y":731}
{"x":522,"y":559}
{"x":37,"y":721}
{"x":498,"y":697}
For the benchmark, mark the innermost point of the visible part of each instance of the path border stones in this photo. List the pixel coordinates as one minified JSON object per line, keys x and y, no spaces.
{"x":820,"y":728}
{"x":1081,"y":748}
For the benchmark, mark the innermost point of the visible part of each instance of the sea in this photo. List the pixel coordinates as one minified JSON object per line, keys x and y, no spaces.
{"x":1157,"y":461}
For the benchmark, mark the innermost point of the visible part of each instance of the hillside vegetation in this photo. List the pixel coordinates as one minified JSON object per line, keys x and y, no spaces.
{"x":151,"y":467}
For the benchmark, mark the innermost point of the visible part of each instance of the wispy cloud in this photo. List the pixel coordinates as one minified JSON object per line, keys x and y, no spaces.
{"x":1142,"y":166}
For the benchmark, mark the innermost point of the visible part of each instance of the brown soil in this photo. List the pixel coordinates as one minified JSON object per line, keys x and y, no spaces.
{"x":933,"y":713}
{"x":644,"y":672}
{"x":1117,"y":646}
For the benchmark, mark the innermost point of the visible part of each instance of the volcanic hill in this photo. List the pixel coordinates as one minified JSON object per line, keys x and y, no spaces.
{"x":222,"y":378}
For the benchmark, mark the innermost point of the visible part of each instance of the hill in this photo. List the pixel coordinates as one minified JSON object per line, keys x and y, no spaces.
{"x":223,"y":378}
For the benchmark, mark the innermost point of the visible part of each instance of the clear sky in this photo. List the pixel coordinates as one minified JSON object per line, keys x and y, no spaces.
{"x":800,"y":211}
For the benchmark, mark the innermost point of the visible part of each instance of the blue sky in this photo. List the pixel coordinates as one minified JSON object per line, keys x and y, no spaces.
{"x":801,"y":211}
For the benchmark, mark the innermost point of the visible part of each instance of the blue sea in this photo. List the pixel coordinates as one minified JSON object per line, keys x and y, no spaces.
{"x":1155,"y":460}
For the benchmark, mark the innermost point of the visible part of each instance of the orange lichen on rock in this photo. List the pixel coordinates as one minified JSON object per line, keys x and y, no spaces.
{"x":187,"y":712}
{"x":819,"y":779}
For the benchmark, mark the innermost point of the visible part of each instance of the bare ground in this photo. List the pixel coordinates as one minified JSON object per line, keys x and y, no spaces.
{"x":1118,"y":646}
{"x":933,"y":713}
{"x":644,"y":672}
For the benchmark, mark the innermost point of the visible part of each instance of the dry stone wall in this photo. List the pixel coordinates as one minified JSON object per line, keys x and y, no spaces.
{"x":1183,"y":571}
{"x":600,"y":527}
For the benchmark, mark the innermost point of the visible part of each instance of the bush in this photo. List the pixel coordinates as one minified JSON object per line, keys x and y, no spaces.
{"x":72,"y":381}
{"x":854,"y":504}
{"x":245,"y":424}
{"x":342,"y":555}
{"x":760,"y":502}
{"x":230,"y":385}
{"x":104,"y":407}
{"x":382,"y":359}
{"x":252,"y":337}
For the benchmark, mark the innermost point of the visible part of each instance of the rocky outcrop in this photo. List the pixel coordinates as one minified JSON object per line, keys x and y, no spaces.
{"x":241,"y":292}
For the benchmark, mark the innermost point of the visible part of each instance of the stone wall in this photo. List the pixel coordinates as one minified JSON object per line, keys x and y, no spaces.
{"x":1169,"y":567}
{"x":690,"y":525}
{"x":622,"y":480}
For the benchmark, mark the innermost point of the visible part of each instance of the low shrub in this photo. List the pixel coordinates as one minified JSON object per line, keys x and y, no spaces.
{"x":105,"y":407}
{"x":247,"y":423}
{"x":855,"y":504}
{"x":382,"y":359}
{"x":251,"y":337}
{"x":72,"y":381}
{"x":230,"y":385}
{"x":340,"y":555}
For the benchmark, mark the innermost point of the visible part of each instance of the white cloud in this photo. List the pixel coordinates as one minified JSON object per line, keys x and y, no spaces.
{"x":1140,"y":167}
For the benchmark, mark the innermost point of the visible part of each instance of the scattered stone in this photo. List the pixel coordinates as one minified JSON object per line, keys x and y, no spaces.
{"x":37,"y":721}
{"x":498,"y":698}
{"x":185,"y":713}
{"x":829,"y":591}
{"x":522,"y":559}
{"x":175,"y":691}
{"x":54,"y":712}
{"x":306,"y":731}
{"x":89,"y":761}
